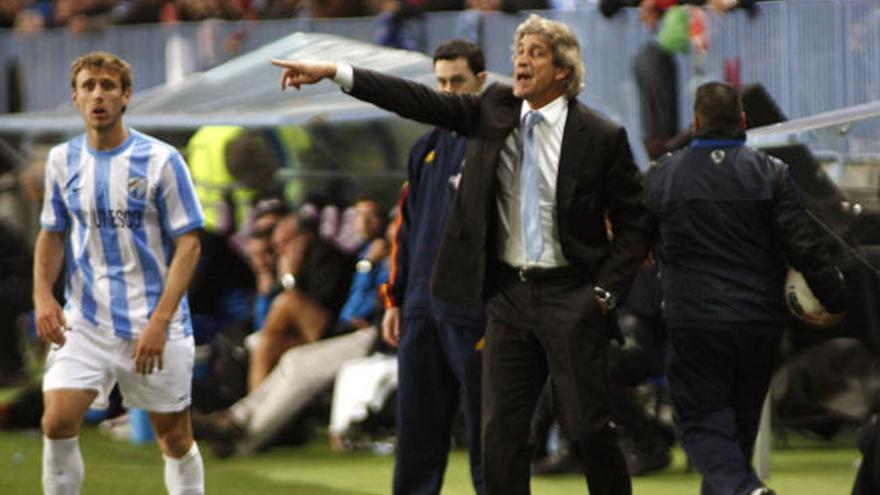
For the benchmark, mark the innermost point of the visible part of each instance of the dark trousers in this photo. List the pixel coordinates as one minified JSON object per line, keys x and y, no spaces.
{"x":868,"y":477}
{"x":718,"y":377}
{"x":438,"y":363}
{"x":535,"y":328}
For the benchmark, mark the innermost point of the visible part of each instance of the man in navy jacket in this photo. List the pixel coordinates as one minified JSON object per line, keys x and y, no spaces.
{"x":438,"y":359}
{"x":730,"y":218}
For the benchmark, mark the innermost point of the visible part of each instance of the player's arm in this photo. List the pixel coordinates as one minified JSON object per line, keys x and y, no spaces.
{"x":48,"y":260}
{"x":147,"y":354}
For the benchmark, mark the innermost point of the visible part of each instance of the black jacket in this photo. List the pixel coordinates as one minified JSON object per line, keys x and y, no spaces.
{"x":597,"y":176}
{"x":730,"y":219}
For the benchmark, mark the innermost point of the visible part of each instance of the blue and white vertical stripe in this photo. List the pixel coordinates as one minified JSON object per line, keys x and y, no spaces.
{"x":122,"y":210}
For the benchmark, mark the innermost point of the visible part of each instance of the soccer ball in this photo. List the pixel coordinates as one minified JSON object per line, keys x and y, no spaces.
{"x":800,"y":299}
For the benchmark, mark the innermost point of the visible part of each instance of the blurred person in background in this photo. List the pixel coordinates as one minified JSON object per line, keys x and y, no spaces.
{"x":16,"y":283}
{"x":314,"y":276}
{"x":310,"y":365}
{"x":320,"y":295}
{"x":9,"y":10}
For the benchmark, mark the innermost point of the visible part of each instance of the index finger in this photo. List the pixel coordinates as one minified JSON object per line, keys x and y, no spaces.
{"x":287,"y":64}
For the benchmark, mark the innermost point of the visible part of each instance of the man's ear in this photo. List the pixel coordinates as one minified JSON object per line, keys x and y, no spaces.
{"x":742,"y":120}
{"x":697,"y":123}
{"x":562,"y":73}
{"x":482,"y":78}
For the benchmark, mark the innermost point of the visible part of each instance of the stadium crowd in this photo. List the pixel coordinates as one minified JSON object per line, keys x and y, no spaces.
{"x":84,"y":15}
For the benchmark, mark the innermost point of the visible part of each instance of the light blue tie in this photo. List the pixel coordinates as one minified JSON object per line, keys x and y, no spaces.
{"x":530,"y":198}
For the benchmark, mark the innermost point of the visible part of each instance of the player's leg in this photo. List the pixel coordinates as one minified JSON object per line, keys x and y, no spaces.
{"x":165,"y":395}
{"x":63,"y":470}
{"x":76,"y":373}
{"x":184,"y":471}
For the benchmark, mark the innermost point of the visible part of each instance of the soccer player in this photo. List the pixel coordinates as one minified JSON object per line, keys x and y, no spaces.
{"x":120,"y":213}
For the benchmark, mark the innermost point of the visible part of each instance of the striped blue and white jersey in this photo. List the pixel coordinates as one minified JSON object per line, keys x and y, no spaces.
{"x":122,"y":210}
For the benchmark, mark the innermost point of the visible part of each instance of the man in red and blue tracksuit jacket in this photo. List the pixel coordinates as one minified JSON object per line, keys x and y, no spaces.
{"x":439,"y":356}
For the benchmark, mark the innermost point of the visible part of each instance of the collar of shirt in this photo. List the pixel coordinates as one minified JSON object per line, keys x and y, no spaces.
{"x":551,"y":111}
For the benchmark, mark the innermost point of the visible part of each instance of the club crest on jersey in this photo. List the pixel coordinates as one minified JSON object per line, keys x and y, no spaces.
{"x":717,"y":156}
{"x":137,"y":187}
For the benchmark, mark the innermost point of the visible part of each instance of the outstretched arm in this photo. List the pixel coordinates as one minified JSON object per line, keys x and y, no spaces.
{"x":459,"y":113}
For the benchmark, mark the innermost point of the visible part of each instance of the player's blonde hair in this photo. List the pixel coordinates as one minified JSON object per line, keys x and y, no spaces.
{"x":102,"y":61}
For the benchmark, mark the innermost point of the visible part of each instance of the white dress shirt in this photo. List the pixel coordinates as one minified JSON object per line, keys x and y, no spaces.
{"x":549,"y":132}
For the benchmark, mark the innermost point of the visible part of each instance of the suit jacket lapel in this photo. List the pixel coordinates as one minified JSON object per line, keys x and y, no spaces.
{"x":572,"y":156}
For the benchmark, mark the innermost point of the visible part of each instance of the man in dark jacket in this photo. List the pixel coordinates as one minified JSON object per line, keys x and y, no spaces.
{"x":438,"y":359}
{"x":526,"y":235}
{"x":730,"y":218}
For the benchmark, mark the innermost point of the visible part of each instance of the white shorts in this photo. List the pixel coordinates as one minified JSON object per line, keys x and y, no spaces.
{"x":90,"y":361}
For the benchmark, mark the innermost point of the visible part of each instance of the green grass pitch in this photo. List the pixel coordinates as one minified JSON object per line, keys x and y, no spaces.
{"x":113,"y":467}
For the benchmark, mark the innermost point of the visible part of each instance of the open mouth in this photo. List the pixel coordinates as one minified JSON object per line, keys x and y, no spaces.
{"x":99,"y":112}
{"x":521,"y":78}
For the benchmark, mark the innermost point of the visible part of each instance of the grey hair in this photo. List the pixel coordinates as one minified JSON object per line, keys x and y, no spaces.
{"x":565,"y":47}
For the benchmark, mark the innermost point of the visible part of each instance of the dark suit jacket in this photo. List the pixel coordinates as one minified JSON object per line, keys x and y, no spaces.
{"x":597,"y":175}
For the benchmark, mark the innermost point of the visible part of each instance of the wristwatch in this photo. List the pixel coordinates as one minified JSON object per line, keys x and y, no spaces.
{"x":364,"y":266}
{"x":288,"y":281}
{"x":605,"y":297}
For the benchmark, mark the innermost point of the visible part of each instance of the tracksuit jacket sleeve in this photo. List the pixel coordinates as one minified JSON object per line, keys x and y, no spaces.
{"x":803,"y":245}
{"x":392,"y":292}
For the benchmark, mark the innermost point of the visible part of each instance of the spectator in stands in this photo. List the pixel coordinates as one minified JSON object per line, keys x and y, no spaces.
{"x":395,"y":14}
{"x":315,"y":276}
{"x":655,"y":67}
{"x":280,"y":9}
{"x":16,"y":282}
{"x":199,"y":10}
{"x":338,"y":8}
{"x":361,"y":304}
{"x":261,"y":257}
{"x":312,"y":271}
{"x":9,"y":10}
{"x":307,"y":369}
{"x":75,"y":14}
{"x":363,"y":385}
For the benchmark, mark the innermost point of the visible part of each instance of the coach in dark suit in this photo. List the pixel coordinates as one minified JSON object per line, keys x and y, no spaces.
{"x":527,"y":235}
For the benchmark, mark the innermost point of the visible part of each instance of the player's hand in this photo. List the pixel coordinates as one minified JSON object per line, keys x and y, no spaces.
{"x":391,"y":327}
{"x":147,"y":355}
{"x":49,"y":320}
{"x":297,"y":73}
